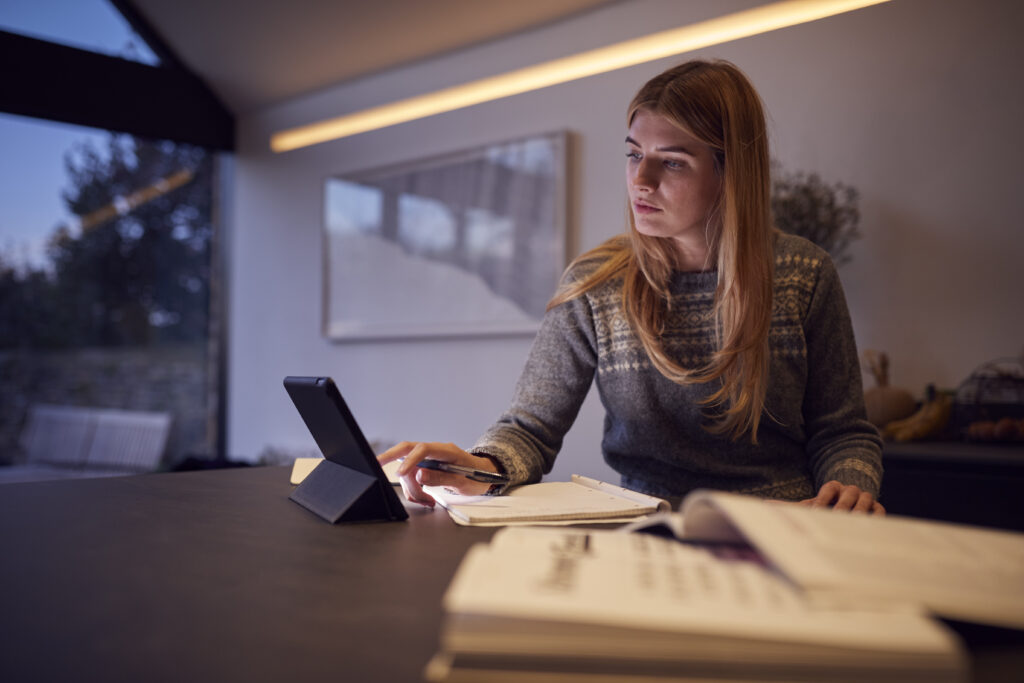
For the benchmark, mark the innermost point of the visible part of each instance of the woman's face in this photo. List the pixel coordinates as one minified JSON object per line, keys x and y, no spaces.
{"x":671,"y":180}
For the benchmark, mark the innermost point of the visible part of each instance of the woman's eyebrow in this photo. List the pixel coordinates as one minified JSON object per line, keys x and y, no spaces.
{"x":678,"y":149}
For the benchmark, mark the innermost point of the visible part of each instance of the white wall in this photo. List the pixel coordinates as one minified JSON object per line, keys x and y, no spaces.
{"x":916,"y":103}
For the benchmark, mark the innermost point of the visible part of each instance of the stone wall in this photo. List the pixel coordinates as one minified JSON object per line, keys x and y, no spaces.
{"x":171,"y":379}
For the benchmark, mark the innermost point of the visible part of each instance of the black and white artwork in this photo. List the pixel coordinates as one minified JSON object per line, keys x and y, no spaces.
{"x":467,"y":243}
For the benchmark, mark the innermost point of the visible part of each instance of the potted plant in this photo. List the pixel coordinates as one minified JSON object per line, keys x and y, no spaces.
{"x":826,"y":214}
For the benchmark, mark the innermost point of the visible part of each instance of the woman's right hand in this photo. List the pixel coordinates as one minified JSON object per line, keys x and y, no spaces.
{"x":413,"y":478}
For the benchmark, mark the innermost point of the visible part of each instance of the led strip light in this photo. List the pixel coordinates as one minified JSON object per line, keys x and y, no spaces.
{"x":620,"y":55}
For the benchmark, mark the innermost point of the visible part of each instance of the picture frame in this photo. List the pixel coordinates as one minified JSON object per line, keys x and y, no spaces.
{"x":471,"y":242}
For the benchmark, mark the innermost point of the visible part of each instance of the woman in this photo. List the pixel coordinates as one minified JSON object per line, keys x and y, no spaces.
{"x":722,"y":348}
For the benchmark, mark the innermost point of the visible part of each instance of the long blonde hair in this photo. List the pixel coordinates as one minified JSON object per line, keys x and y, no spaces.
{"x":715,"y":103}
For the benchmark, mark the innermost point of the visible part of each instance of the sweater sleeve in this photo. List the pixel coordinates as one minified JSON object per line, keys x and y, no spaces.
{"x":841,"y":443}
{"x":548,"y":395}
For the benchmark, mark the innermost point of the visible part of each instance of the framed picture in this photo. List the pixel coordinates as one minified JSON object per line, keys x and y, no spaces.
{"x":467,"y":243}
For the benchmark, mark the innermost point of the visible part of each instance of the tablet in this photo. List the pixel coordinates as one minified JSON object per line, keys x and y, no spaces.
{"x":349,"y":484}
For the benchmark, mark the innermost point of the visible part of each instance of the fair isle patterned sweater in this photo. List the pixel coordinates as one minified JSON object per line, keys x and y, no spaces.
{"x":814,"y":428}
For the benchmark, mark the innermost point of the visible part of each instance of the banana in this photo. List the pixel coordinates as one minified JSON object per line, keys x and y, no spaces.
{"x":929,"y":420}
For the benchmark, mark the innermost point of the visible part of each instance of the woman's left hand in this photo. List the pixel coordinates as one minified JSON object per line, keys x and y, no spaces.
{"x":844,"y":497}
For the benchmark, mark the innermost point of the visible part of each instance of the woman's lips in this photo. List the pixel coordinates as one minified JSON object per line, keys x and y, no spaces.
{"x":640,"y":207}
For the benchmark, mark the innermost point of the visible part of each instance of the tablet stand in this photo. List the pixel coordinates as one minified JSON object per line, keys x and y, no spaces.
{"x":338,"y":493}
{"x":349,"y":485}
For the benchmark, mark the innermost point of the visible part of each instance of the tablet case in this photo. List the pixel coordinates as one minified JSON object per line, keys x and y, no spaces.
{"x":349,"y":485}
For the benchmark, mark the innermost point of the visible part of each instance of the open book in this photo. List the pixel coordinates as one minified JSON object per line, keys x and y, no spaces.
{"x":554,"y":502}
{"x":954,"y":571}
{"x":543,"y":604}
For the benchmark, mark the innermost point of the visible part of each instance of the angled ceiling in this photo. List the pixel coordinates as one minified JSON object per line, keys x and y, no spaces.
{"x":254,"y":53}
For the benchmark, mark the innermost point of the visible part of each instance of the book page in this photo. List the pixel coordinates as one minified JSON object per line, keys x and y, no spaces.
{"x":556,"y":501}
{"x":594,"y":543}
{"x":542,"y":578}
{"x":957,"y":571}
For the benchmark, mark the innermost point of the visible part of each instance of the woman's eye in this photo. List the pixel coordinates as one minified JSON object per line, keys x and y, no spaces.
{"x":635,"y":156}
{"x":674,"y":164}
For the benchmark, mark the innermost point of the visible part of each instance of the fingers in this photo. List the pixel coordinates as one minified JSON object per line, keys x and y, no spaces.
{"x":448,"y":453}
{"x":413,"y":478}
{"x":416,"y":452}
{"x":845,"y":498}
{"x":407,"y":452}
{"x":848,"y":498}
{"x":865,"y":503}
{"x":454,"y":483}
{"x":396,"y":452}
{"x":415,"y":493}
{"x":827,"y":495}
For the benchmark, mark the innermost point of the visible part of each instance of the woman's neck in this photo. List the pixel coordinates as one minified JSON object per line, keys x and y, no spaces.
{"x":694,"y":255}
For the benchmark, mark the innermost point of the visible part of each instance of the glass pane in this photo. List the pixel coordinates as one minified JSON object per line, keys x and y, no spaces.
{"x":105,"y":267}
{"x":93,"y":25}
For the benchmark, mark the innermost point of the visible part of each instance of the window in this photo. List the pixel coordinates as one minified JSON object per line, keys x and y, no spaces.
{"x":93,"y":25}
{"x":105,"y":278}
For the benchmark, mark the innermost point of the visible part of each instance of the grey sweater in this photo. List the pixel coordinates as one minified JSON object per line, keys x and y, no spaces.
{"x":814,"y":427}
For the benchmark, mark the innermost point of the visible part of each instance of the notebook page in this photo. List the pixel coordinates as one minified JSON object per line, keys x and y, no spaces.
{"x":658,"y":503}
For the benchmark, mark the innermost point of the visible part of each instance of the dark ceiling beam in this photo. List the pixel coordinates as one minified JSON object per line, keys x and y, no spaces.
{"x":60,"y":83}
{"x":143,"y":29}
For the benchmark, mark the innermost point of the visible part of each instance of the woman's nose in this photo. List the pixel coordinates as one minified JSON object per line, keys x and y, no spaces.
{"x":644,"y":177}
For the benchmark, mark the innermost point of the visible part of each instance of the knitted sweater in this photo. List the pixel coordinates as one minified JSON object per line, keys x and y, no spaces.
{"x":813,"y":430}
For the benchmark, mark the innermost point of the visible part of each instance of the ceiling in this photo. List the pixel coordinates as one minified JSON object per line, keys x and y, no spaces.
{"x":254,"y":53}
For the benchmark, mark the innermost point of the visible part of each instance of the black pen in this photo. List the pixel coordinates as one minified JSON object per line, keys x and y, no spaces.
{"x":468,"y":472}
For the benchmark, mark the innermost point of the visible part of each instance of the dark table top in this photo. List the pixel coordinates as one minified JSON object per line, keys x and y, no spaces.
{"x":217,"y":576}
{"x":214,"y":576}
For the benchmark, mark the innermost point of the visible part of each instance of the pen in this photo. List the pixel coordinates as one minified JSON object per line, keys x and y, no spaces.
{"x":467,"y":472}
